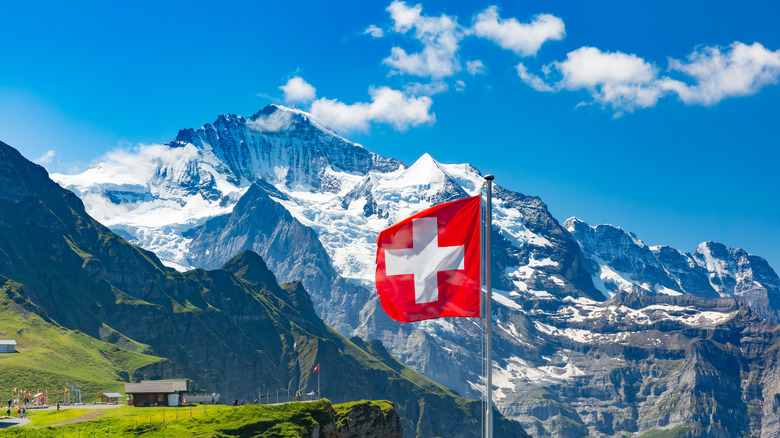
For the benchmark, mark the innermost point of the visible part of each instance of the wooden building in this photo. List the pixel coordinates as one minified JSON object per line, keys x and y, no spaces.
{"x":7,"y":346}
{"x":40,"y":399}
{"x":156,"y":392}
{"x":110,"y":398}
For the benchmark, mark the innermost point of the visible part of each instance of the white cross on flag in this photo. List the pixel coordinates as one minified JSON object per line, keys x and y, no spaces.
{"x":428,"y":265}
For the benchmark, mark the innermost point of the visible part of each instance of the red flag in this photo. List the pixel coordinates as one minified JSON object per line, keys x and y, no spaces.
{"x":317,"y":368}
{"x":428,"y":265}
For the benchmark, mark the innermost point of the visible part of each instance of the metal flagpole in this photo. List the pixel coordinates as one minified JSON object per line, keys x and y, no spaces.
{"x":488,"y":317}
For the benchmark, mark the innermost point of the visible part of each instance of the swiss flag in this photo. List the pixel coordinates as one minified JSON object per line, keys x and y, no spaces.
{"x":317,"y":368}
{"x":428,"y":265}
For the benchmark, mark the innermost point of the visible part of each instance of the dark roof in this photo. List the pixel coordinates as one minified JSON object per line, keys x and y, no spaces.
{"x":179,"y":385}
{"x":156,"y":387}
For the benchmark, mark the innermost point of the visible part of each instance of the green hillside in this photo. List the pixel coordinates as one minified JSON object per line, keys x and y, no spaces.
{"x":49,"y":355}
{"x":290,"y":420}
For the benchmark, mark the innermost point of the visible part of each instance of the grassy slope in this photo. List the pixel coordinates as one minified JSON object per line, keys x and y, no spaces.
{"x":287,"y":420}
{"x":49,"y":355}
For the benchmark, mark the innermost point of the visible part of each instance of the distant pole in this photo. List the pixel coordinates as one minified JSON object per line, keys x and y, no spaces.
{"x":488,"y":318}
{"x":318,"y":380}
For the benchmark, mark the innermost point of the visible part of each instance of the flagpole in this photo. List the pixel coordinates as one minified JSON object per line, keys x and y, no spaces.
{"x":488,"y":318}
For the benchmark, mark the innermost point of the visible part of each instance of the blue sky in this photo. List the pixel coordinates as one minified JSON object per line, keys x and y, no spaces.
{"x":659,"y":117}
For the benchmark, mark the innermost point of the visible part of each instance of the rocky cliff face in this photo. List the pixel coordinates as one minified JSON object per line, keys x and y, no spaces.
{"x":294,"y":251}
{"x":561,"y":368}
{"x":364,"y":419}
{"x":619,"y":261}
{"x":638,"y":363}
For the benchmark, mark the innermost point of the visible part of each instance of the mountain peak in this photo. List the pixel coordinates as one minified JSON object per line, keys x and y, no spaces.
{"x":276,"y":118}
{"x":425,"y":171}
{"x":249,"y":266}
{"x":573,"y":223}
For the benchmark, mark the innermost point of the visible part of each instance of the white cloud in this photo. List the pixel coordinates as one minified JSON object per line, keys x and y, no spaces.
{"x":45,"y":158}
{"x":534,"y":81}
{"x":620,"y":80}
{"x":129,"y":167}
{"x":404,"y":17}
{"x":429,"y":89}
{"x":589,"y":67}
{"x":460,"y":85}
{"x":439,"y":36}
{"x":615,"y":79}
{"x":740,"y":70}
{"x":274,"y":122}
{"x":627,"y":82}
{"x":374,"y":31}
{"x":475,"y":67}
{"x":387,"y":106}
{"x":524,"y":39}
{"x":298,"y":90}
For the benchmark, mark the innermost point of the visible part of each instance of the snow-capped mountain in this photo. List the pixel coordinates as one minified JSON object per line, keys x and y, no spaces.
{"x":567,"y":362}
{"x":153,"y":194}
{"x":619,"y":261}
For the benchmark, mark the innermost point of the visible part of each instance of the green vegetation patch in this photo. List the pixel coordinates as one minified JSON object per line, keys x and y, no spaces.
{"x":48,"y":355}
{"x":286,"y":420}
{"x":681,"y":430}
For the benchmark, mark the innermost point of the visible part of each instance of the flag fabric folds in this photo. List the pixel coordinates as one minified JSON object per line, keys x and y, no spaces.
{"x":428,"y":265}
{"x":317,"y":368}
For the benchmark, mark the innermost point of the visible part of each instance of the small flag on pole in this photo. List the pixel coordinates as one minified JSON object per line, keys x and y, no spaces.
{"x":317,"y":368}
{"x":428,"y":265}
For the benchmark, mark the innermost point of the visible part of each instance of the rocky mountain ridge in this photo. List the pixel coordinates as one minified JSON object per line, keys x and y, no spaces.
{"x":619,"y":261}
{"x":548,"y":278}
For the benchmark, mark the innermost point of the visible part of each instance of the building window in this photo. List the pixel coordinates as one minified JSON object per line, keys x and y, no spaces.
{"x":159,"y":397}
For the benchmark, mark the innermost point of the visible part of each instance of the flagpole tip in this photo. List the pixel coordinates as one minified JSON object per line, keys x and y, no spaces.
{"x":489,"y":177}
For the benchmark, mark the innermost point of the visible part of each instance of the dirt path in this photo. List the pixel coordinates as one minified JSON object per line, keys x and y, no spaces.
{"x":12,"y":422}
{"x":86,"y":417}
